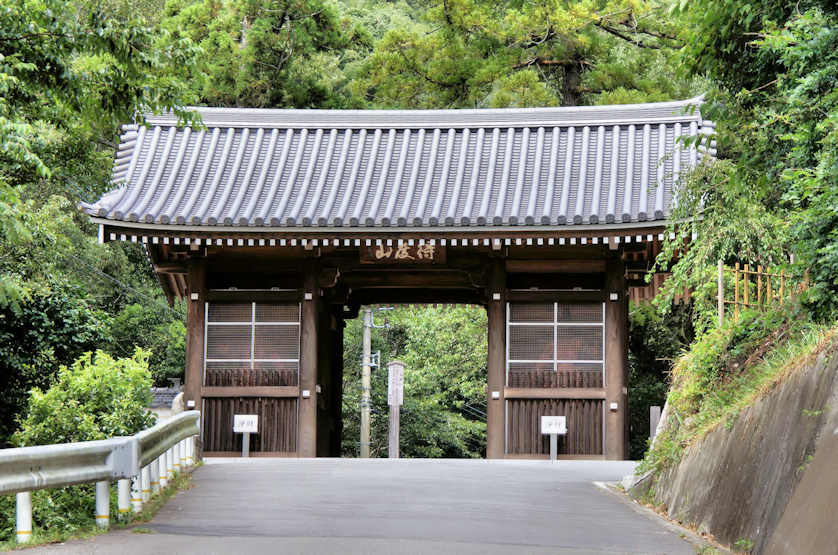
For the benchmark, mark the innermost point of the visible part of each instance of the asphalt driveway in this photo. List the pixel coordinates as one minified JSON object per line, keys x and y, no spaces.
{"x":396,"y":506}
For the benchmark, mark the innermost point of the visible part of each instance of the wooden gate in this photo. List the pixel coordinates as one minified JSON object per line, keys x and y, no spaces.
{"x":251,"y":366}
{"x":555,"y":366}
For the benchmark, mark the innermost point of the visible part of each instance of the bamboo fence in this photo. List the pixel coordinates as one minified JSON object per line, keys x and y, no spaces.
{"x":754,"y":287}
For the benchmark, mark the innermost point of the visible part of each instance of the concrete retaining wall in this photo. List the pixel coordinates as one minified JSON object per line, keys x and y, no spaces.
{"x":770,"y":480}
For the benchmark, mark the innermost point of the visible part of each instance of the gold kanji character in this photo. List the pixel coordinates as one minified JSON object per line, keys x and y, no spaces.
{"x":426,"y":251}
{"x":383,"y":252}
{"x":402,"y":253}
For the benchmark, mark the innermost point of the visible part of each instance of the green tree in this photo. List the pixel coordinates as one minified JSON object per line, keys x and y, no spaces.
{"x":45,"y":331}
{"x":156,"y":328}
{"x":270,"y":53}
{"x":98,"y":397}
{"x":70,"y":74}
{"x":473,"y":53}
{"x":772,"y":193}
{"x":444,"y":350}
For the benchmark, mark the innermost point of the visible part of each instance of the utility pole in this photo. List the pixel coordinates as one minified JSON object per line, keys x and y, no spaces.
{"x":365,"y":386}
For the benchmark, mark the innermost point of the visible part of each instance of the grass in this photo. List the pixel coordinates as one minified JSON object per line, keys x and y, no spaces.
{"x":181,"y":482}
{"x":728,"y":369}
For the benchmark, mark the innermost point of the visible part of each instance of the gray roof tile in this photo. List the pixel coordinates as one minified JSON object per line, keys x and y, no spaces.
{"x":325,"y":168}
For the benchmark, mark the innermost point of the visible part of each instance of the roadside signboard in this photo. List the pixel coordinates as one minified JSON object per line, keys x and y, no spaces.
{"x":395,"y":383}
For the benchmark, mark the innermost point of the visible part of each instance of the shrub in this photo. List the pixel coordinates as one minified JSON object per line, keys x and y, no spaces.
{"x":98,"y":397}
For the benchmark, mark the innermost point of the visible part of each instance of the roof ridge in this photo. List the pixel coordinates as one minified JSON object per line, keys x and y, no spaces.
{"x":652,"y":112}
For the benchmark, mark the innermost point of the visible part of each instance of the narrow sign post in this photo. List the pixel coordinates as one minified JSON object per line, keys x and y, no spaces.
{"x":554,"y":426}
{"x":395,"y":398}
{"x":246,"y":424}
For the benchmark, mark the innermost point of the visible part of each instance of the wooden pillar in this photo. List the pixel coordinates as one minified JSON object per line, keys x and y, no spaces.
{"x":616,"y":360}
{"x":496,"y":361}
{"x":194,"y":372}
{"x":326,"y":425}
{"x":337,"y":372}
{"x":307,"y":413}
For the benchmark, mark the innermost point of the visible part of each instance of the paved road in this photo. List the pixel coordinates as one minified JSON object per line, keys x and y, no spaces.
{"x":402,"y":506}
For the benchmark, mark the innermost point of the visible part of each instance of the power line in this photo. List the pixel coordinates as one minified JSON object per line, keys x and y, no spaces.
{"x":125,"y":286}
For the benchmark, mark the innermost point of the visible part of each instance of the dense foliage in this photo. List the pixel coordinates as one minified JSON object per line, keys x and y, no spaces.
{"x":444,"y":411}
{"x":728,"y":368}
{"x":654,"y":343}
{"x":96,"y":397}
{"x":771,"y":198}
{"x":70,"y":74}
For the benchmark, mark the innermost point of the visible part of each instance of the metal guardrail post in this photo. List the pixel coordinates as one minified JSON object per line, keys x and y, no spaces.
{"x":24,"y":516}
{"x":145,"y":484}
{"x":136,"y":494}
{"x":123,"y":496}
{"x":161,"y":466}
{"x":103,"y":504}
{"x":170,"y":465}
{"x":154,"y":475}
{"x":176,"y":457}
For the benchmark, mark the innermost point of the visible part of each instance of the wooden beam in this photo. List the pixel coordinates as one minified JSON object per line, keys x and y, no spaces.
{"x":556,"y":296}
{"x":246,"y":391}
{"x":398,"y":278}
{"x":170,"y":268}
{"x":393,"y":233}
{"x":255,"y":296}
{"x":616,"y":361}
{"x":554,"y":393}
{"x":496,"y":360}
{"x":414,"y":296}
{"x":555,"y":266}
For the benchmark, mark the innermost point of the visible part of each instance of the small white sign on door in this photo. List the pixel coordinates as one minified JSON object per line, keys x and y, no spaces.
{"x":245,"y":423}
{"x":553,"y":425}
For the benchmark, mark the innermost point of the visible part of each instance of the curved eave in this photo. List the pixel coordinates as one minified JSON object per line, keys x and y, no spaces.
{"x":301,"y":231}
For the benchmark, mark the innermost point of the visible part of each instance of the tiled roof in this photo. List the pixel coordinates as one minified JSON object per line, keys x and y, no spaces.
{"x":440,"y":168}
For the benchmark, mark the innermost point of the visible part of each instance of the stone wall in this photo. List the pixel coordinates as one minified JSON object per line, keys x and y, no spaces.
{"x":769,"y":480}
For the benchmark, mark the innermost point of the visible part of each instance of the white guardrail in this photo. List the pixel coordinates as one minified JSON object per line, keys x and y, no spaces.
{"x":141,"y":464}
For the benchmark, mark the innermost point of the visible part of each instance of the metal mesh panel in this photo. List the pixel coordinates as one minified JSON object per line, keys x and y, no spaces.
{"x":227,"y":365}
{"x":531,"y":312}
{"x":587,"y":312}
{"x":228,"y":342}
{"x":531,"y":342}
{"x":277,"y":342}
{"x":579,"y":343}
{"x":578,"y":333}
{"x":229,"y":312}
{"x":277,"y":313}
